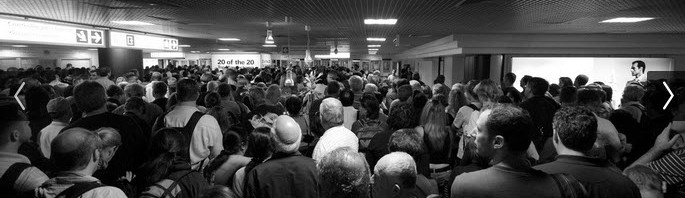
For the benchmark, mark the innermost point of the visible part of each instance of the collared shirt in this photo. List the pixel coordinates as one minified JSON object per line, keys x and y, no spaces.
{"x":56,"y":185}
{"x":207,"y":139}
{"x":501,"y":181}
{"x":48,"y":134}
{"x":598,"y":176}
{"x":334,"y":138}
{"x":29,"y":179}
{"x":284,"y":175}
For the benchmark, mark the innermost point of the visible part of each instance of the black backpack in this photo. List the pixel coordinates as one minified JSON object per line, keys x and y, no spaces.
{"x":10,"y":177}
{"x":187,"y":130}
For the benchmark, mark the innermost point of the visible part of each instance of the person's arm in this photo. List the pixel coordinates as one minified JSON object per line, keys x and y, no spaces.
{"x":661,"y":144}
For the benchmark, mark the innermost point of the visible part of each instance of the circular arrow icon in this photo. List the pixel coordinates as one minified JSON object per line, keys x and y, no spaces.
{"x":16,"y":96}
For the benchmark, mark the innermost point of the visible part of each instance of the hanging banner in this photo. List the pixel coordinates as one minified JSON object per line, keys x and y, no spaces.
{"x":239,"y":60}
{"x":46,"y":33}
{"x":140,"y":41}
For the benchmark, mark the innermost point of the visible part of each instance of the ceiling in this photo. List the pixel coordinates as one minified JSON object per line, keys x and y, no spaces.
{"x":340,"y":22}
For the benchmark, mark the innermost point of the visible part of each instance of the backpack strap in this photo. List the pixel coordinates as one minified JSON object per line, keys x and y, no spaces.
{"x":190,"y":126}
{"x":78,"y":189}
{"x":11,"y":175}
{"x":169,"y":192}
{"x":474,"y":107}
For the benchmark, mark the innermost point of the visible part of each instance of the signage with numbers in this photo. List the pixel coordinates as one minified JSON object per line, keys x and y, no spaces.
{"x":240,"y":60}
{"x":141,"y":41}
{"x":26,"y":31}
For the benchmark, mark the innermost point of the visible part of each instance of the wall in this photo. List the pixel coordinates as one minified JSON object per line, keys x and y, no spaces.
{"x":46,"y":56}
{"x":121,"y":60}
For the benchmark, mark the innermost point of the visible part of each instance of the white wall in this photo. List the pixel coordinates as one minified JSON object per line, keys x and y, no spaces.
{"x":48,"y":57}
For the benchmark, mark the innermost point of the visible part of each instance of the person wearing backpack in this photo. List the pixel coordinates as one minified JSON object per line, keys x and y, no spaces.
{"x":371,"y":124}
{"x":168,"y":173}
{"x":203,"y":131}
{"x":76,"y":156}
{"x":17,"y":176}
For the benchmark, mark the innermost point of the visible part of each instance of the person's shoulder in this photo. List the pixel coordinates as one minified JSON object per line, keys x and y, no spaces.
{"x":550,"y":167}
{"x":105,"y":191}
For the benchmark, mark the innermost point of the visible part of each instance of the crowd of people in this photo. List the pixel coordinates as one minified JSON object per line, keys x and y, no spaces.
{"x":192,"y":131}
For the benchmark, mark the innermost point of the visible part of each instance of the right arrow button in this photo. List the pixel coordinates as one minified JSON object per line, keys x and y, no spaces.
{"x":669,"y":98}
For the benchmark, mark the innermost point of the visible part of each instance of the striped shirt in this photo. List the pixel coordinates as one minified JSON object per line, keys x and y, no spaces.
{"x":671,"y":167}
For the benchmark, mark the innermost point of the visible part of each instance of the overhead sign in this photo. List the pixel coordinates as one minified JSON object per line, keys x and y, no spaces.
{"x":240,"y":60}
{"x":141,"y":41}
{"x":46,"y":33}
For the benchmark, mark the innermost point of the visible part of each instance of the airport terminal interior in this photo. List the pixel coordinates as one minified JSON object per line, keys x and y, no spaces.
{"x":342,"y":98}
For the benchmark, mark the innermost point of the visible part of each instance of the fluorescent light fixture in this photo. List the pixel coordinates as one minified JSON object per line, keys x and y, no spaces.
{"x":375,"y":39}
{"x":627,"y":20}
{"x":194,"y":51}
{"x":373,"y":52}
{"x":331,"y":56}
{"x":380,"y":21}
{"x":19,"y":45}
{"x":93,"y":49}
{"x":183,"y":45}
{"x":132,"y":23}
{"x":229,"y":39}
{"x":268,"y":45}
{"x":373,"y":49}
{"x":223,"y":49}
{"x":374,"y":45}
{"x":81,"y":55}
{"x":166,"y":54}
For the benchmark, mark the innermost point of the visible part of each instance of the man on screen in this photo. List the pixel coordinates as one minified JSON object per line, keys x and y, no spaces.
{"x":638,"y":70}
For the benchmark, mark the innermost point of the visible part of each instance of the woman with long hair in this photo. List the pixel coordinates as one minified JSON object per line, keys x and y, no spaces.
{"x":167,"y":171}
{"x":457,"y":99}
{"x":259,"y":147}
{"x":223,"y":167}
{"x":435,"y":136}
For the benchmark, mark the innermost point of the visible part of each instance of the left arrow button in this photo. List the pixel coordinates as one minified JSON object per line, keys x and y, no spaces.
{"x":16,"y":96}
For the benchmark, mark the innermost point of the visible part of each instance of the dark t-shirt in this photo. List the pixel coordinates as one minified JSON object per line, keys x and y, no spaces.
{"x":503,"y":182}
{"x":128,"y":157}
{"x":595,"y":174}
{"x":541,"y":109}
{"x":161,"y":102}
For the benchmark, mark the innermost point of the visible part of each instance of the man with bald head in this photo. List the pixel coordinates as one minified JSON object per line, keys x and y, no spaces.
{"x":287,"y":173}
{"x":76,"y":153}
{"x":344,"y":173}
{"x":152,"y":111}
{"x":336,"y":135}
{"x":395,"y":176}
{"x":17,"y":176}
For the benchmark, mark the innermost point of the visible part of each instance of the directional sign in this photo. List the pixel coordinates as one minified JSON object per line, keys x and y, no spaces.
{"x":16,"y":95}
{"x":285,"y":50}
{"x":81,"y":36}
{"x":130,"y":41}
{"x":95,"y":37}
{"x":671,"y":95}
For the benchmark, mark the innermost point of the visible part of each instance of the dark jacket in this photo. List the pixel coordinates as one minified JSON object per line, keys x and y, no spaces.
{"x":541,"y":110}
{"x":284,"y":175}
{"x":598,"y":176}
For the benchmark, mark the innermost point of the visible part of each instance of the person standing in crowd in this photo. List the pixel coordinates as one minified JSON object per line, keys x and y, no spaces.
{"x":335,"y":135}
{"x":151,"y":112}
{"x":287,"y":173}
{"x":76,"y":157}
{"x":356,"y":85}
{"x":565,"y":82}
{"x":115,"y":97}
{"x":373,"y":122}
{"x":159,"y":92}
{"x":350,"y":113}
{"x":227,"y":101}
{"x":648,"y":181}
{"x":18,"y":177}
{"x":222,"y":169}
{"x":575,"y":132}
{"x":581,"y":80}
{"x":508,"y":80}
{"x":90,"y":98}
{"x":630,"y":102}
{"x":167,"y":171}
{"x":503,"y":137}
{"x":103,"y":77}
{"x":206,"y":138}
{"x":541,"y":109}
{"x":135,"y":109}
{"x":637,"y":70}
{"x":437,"y":138}
{"x":411,"y":142}
{"x":344,"y":173}
{"x":259,"y":148}
{"x":395,"y":176}
{"x":60,"y":111}
{"x":156,"y":77}
{"x":524,"y":82}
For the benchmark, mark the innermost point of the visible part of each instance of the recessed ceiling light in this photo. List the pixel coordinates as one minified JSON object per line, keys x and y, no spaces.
{"x":93,"y":49}
{"x":375,"y":39}
{"x":627,"y":20}
{"x":380,"y":21}
{"x":373,"y":49}
{"x":268,"y":45}
{"x":374,"y":45}
{"x":223,"y":49}
{"x":229,"y":39}
{"x":19,"y":45}
{"x":183,"y":45}
{"x":132,"y":23}
{"x":194,"y":51}
{"x":373,"y":52}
